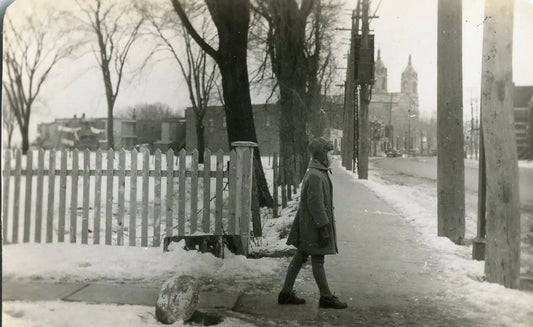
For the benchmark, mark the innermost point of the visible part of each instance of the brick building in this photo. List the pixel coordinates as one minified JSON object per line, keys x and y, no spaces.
{"x":266,"y":118}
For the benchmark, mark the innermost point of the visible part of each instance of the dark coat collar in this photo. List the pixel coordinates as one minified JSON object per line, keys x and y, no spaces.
{"x":317,"y":165}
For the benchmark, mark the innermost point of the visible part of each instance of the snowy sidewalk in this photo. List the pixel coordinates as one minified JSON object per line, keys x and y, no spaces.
{"x":384,"y":272}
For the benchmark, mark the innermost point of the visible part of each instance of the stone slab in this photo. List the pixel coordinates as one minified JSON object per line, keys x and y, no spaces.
{"x":31,"y":291}
{"x":266,"y":305}
{"x":118,"y":294}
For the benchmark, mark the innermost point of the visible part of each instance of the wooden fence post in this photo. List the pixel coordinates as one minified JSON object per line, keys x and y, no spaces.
{"x":244,"y":151}
{"x":275,"y":183}
{"x":5,"y":195}
{"x":133,"y":199}
{"x":29,"y":191}
{"x":169,"y":200}
{"x":97,"y":196}
{"x":51,"y":192}
{"x":157,"y":199}
{"x":86,"y":190}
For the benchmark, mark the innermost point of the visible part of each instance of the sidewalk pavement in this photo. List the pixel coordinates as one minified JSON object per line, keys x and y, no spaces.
{"x":384,"y":274}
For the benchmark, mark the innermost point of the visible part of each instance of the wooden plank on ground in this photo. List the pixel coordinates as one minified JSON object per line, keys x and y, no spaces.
{"x":169,"y":200}
{"x":219,"y":230}
{"x":121,"y":194}
{"x":51,"y":193}
{"x":133,"y":200}
{"x":97,"y":196}
{"x":5,"y":194}
{"x":109,"y":197}
{"x":62,"y":197}
{"x":181,"y":195}
{"x":74,"y":197}
{"x":86,"y":190}
{"x":194,"y":192}
{"x":27,"y":200}
{"x":206,"y":216}
{"x":39,"y":196}
{"x":145,"y":190}
{"x":157,"y":199}
{"x":232,"y":225}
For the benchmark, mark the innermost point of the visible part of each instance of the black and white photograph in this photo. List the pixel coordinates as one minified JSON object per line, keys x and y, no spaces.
{"x":266,"y":163}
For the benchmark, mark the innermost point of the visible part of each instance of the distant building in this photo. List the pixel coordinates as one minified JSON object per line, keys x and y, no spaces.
{"x":266,"y":118}
{"x":91,"y":133}
{"x":394,"y":113}
{"x":523,"y":120}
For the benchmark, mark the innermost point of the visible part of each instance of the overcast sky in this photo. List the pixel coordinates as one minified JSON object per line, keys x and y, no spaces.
{"x":407,"y":27}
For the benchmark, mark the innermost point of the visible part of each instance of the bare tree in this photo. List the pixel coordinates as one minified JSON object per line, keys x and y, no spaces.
{"x":32,"y":48}
{"x":198,"y":70}
{"x":298,"y":45}
{"x":231,"y":19}
{"x":8,"y":122}
{"x":116,"y":28}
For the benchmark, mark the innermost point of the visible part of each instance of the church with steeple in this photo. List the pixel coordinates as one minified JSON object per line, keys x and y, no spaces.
{"x":393,"y":116}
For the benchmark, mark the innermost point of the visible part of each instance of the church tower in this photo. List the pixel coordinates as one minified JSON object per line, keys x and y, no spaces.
{"x":410,"y":81}
{"x":380,"y":73}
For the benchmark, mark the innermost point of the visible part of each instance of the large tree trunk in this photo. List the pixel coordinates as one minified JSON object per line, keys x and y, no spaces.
{"x":502,"y":258}
{"x":450,"y":162}
{"x":110,"y":136}
{"x":200,"y":139}
{"x":232,"y":19}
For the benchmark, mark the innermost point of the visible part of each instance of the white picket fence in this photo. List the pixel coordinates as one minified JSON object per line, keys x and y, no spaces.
{"x":114,"y":214}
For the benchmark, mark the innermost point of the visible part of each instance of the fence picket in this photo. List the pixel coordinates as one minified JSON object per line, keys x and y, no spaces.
{"x":109,"y":197}
{"x":5,"y":197}
{"x":157,"y":199}
{"x":144,"y":213}
{"x":18,"y":163}
{"x":39,"y":196}
{"x":51,"y":193}
{"x":275,"y":185}
{"x":62,"y":197}
{"x":133,"y":200}
{"x":86,"y":189}
{"x":74,"y":197}
{"x":169,"y":201}
{"x":232,"y":226}
{"x":97,"y":196}
{"x":181,"y":195}
{"x":28,"y":191}
{"x":194,"y":192}
{"x":121,"y":194}
{"x":207,"y":192}
{"x":219,"y":230}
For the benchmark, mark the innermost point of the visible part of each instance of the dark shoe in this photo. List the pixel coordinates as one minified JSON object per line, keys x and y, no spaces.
{"x":331,"y":302}
{"x":289,"y":298}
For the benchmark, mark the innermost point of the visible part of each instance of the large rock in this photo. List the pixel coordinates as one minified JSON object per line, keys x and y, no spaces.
{"x":177,"y":300}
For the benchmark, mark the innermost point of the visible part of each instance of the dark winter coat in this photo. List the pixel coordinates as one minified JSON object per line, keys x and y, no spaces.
{"x":315,"y":211}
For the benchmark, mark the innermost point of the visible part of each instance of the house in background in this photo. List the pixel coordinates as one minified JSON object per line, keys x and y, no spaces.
{"x":91,"y":133}
{"x":266,"y":118}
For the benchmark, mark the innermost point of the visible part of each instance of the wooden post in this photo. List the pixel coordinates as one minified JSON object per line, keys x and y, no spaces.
{"x":450,"y":161}
{"x":39,"y":196}
{"x":206,"y":214}
{"x":16,"y":200}
{"x":5,"y":194}
{"x":244,"y":151}
{"x":145,"y":189}
{"x":169,"y":199}
{"x":502,"y":259}
{"x":157,"y":199}
{"x":86,"y":190}
{"x":233,"y":228}
{"x":121,"y":195}
{"x":63,"y":195}
{"x":133,"y":199}
{"x":275,"y":183}
{"x":97,"y":196}
{"x":109,"y":196}
{"x":28,"y":191}
{"x":194,"y":192}
{"x":181,"y":192}
{"x":478,"y":248}
{"x":218,"y":194}
{"x":51,"y":193}
{"x":282,"y":182}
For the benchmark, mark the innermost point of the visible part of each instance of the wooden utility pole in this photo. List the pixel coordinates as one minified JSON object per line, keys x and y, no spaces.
{"x":450,"y":142}
{"x":478,"y":248}
{"x":364,"y":79}
{"x":502,"y":257}
{"x":348,"y":142}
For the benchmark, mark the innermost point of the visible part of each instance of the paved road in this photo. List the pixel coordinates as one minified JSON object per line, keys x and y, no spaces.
{"x":426,"y":167}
